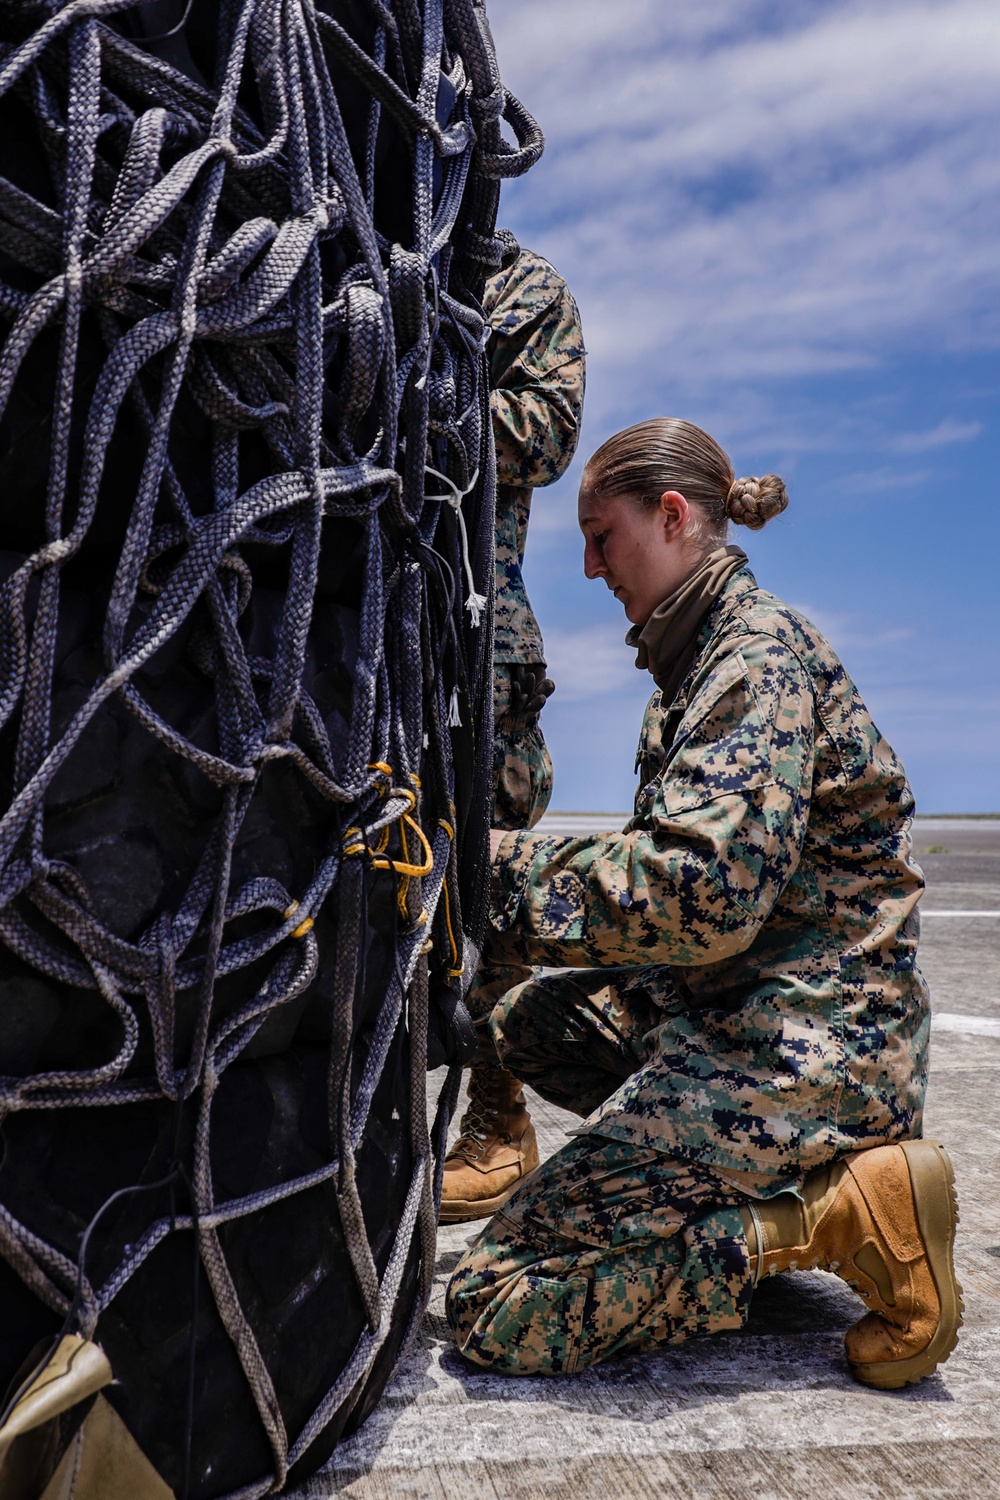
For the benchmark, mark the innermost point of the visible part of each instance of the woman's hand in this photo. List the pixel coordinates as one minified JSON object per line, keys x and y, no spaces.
{"x":497,"y":835}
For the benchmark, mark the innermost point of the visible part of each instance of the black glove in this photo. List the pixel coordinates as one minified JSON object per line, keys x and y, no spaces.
{"x":529,"y":688}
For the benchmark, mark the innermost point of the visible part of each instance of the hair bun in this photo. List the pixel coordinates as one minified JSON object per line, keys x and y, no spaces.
{"x":752,"y":502}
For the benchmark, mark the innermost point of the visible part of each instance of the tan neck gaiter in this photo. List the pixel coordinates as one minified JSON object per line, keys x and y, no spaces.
{"x":666,"y":643}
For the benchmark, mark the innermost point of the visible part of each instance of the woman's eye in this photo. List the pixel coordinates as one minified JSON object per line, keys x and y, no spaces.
{"x":599,"y":538}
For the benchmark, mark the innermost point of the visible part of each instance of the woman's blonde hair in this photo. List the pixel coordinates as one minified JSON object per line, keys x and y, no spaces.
{"x":667,"y":454}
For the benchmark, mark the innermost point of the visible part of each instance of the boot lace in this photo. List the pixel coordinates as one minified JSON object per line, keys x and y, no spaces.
{"x":479,"y":1121}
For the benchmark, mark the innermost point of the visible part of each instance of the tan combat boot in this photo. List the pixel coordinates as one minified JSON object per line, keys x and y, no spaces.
{"x":883,"y":1220}
{"x":495,"y":1150}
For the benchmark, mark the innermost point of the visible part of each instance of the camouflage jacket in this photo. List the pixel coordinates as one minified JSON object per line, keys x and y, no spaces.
{"x":766,"y":886}
{"x":537,"y":364}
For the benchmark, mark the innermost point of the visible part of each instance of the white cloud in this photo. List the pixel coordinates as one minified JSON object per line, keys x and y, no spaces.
{"x":852,"y":632}
{"x":946,"y":432}
{"x":743,"y":194}
{"x":881,"y":479}
{"x":834,"y":68}
{"x":590,"y":662}
{"x":825,"y":75}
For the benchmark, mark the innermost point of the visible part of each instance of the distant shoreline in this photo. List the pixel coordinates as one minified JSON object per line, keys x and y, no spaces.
{"x":966,"y":817}
{"x":562,"y":812}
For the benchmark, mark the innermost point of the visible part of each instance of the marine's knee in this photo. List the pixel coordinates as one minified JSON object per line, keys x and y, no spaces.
{"x":516,"y":1323}
{"x":476,"y":1285}
{"x":469,"y":1291}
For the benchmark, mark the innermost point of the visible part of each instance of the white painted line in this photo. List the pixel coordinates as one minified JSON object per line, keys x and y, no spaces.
{"x":970,"y":1025}
{"x":924,"y":912}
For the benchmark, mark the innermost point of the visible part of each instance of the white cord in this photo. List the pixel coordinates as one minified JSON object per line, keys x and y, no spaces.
{"x":474,"y":603}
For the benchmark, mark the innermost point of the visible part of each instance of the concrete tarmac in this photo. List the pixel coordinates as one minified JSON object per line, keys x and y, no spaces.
{"x":770,"y":1413}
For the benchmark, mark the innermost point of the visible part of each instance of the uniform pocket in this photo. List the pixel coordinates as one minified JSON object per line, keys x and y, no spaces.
{"x":562,"y":916}
{"x":723,"y":746}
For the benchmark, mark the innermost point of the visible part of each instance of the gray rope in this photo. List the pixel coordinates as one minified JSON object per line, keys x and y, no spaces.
{"x":233,"y":257}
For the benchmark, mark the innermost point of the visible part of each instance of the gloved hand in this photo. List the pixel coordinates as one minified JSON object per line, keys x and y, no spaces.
{"x":529,"y":688}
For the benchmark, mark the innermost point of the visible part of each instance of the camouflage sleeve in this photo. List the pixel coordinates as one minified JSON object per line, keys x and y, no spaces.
{"x":714,"y":842}
{"x":537,"y":371}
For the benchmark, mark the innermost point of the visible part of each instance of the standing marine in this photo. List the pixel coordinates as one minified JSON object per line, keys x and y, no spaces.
{"x":537,"y":373}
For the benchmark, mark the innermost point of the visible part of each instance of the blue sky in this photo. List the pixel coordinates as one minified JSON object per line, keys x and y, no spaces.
{"x":781,"y":221}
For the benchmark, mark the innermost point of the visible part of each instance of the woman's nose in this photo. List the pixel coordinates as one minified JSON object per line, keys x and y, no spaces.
{"x":593,"y":561}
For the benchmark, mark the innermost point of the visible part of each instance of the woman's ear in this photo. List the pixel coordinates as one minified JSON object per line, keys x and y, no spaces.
{"x":675,"y":511}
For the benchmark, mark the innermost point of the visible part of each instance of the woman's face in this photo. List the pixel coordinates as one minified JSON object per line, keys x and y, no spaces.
{"x":638,"y":550}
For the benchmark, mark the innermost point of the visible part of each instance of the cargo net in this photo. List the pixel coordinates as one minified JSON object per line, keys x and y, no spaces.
{"x":246,"y":490}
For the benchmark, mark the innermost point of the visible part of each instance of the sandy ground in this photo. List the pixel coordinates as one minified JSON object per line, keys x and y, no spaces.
{"x":771,"y":1412}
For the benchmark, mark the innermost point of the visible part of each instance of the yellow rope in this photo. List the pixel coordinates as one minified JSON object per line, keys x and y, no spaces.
{"x":458,"y":968}
{"x":403,"y":889}
{"x":350,"y":849}
{"x":405,"y":868}
{"x":303,"y":927}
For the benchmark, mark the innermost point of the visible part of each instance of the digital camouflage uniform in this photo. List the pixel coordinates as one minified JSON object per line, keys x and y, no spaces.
{"x":537,"y":365}
{"x":757,"y":1009}
{"x":537,"y":370}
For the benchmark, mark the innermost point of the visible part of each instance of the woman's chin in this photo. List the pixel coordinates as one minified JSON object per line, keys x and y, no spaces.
{"x":634,"y":613}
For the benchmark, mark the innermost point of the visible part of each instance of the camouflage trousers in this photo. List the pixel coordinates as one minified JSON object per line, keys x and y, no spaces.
{"x":609,"y":1247}
{"x":522,"y":786}
{"x":606,"y":1249}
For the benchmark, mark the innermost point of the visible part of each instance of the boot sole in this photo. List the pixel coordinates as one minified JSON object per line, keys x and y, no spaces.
{"x":929,"y":1166}
{"x":465,"y":1210}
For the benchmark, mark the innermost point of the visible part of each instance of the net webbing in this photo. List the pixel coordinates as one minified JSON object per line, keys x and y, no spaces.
{"x":248,"y":500}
